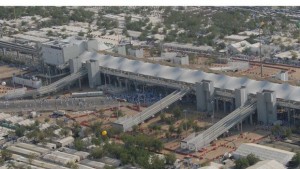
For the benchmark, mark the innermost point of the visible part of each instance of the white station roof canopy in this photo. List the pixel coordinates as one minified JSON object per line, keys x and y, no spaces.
{"x":283,"y":91}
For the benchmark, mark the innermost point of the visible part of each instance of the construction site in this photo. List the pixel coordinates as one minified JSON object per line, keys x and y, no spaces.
{"x":195,"y":113}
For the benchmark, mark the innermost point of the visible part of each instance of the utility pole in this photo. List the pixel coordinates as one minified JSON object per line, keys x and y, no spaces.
{"x":185,"y":123}
{"x":261,"y":64}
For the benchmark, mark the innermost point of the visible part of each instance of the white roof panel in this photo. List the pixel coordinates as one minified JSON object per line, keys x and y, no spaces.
{"x":264,"y":153}
{"x":283,"y":91}
{"x":267,"y":164}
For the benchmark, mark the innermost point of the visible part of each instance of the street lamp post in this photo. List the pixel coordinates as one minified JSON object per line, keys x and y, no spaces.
{"x":213,"y":111}
{"x":185,"y":122}
{"x":160,"y":102}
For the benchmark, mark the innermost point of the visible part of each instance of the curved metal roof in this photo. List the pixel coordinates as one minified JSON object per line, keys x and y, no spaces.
{"x":283,"y":91}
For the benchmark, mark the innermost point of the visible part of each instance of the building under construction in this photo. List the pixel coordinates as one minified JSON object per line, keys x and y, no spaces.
{"x":239,"y":98}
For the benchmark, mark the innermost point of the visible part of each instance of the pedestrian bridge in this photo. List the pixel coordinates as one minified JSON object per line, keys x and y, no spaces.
{"x":126,"y":123}
{"x":196,"y":142}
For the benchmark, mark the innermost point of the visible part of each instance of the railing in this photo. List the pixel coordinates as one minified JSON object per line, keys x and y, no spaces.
{"x":204,"y":138}
{"x":127,"y":123}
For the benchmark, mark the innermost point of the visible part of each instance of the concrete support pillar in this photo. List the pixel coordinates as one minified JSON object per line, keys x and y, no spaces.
{"x":238,"y":126}
{"x":75,"y":65}
{"x":231,"y":106}
{"x":93,"y":73}
{"x":79,"y":82}
{"x":251,"y":120}
{"x":120,"y":82}
{"x":266,"y":106}
{"x":204,"y":95}
{"x":126,"y":84}
{"x":217,"y":102}
{"x":241,"y":96}
{"x":109,"y":79}
{"x":135,"y":86}
{"x":289,"y":116}
{"x":224,"y":106}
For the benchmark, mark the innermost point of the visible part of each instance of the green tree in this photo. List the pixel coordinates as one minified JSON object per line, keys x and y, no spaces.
{"x":162,"y":117}
{"x":135,"y":128}
{"x":49,"y":33}
{"x":241,"y":163}
{"x":20,"y":131}
{"x":80,"y":33}
{"x":296,"y":159}
{"x":252,"y":159}
{"x":172,"y":129}
{"x":96,"y":128}
{"x":109,"y":167}
{"x":46,"y":120}
{"x":64,"y":132}
{"x":97,"y":153}
{"x":156,"y":163}
{"x":72,"y":165}
{"x":79,"y":144}
{"x":177,"y":112}
{"x":31,"y":157}
{"x":170,"y":158}
{"x":5,"y":155}
{"x":294,"y":55}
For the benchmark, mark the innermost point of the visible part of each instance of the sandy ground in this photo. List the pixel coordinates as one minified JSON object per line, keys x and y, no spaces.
{"x":254,"y":70}
{"x":214,"y":151}
{"x":4,"y":89}
{"x":7,"y":72}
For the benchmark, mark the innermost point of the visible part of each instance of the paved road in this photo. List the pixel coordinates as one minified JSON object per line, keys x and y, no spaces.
{"x":88,"y":103}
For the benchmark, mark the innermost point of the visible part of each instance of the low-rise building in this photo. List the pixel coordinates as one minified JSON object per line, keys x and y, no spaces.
{"x":95,"y":164}
{"x":111,"y":161}
{"x":263,"y":153}
{"x":29,"y":81}
{"x":235,"y":38}
{"x":267,"y":164}
{"x":188,"y":48}
{"x":139,"y":53}
{"x":288,"y":55}
{"x":65,"y":141}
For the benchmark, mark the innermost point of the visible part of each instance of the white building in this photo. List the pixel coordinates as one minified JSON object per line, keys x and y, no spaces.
{"x":22,"y":151}
{"x":288,"y":55}
{"x":263,"y":153}
{"x":249,"y":33}
{"x":176,"y":47}
{"x":267,"y":164}
{"x":119,"y":19}
{"x":60,"y":52}
{"x":33,"y":147}
{"x":139,"y":53}
{"x":28,"y":81}
{"x":181,"y":59}
{"x":65,"y":141}
{"x":31,"y":38}
{"x":235,"y":38}
{"x":239,"y":47}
